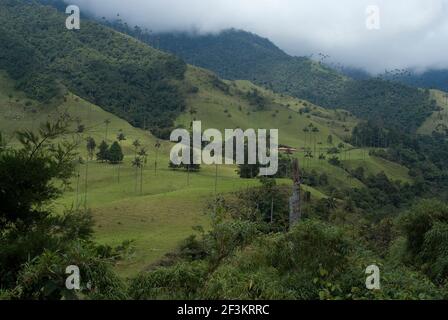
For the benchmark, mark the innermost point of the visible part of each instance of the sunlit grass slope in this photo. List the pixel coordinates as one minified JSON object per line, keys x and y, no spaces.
{"x":438,"y":121}
{"x":161,"y":211}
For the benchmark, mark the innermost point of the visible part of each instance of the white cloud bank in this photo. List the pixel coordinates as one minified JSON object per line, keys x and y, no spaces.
{"x":413,"y":33}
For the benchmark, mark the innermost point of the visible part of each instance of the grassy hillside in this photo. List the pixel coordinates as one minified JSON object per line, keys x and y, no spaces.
{"x":109,"y":83}
{"x":235,"y":54}
{"x":229,"y":108}
{"x":173,"y":202}
{"x":438,"y":121}
{"x":114,"y":71}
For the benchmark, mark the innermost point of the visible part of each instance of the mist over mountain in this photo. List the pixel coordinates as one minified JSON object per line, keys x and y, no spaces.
{"x":236,"y":54}
{"x":302,"y":28}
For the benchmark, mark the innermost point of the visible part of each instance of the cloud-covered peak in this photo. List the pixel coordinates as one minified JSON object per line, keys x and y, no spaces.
{"x":411,"y":34}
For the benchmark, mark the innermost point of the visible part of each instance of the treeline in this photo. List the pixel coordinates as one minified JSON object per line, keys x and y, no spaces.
{"x":37,"y":244}
{"x":250,"y":251}
{"x":118,"y":73}
{"x":424,"y":156}
{"x":250,"y":254}
{"x":112,"y":154}
{"x":235,"y":54}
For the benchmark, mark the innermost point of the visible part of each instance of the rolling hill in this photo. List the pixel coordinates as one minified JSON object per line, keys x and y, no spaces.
{"x":438,"y":121}
{"x":430,"y":79}
{"x":232,"y":54}
{"x":235,"y":54}
{"x":158,"y":210}
{"x":116,"y":72}
{"x":172,"y":202}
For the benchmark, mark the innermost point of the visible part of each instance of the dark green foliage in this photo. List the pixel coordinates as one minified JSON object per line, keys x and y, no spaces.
{"x":382,"y":195}
{"x":103,"y":152}
{"x":431,"y":79}
{"x":91,"y":146}
{"x":426,"y":229}
{"x":27,"y":175}
{"x":181,"y":281}
{"x":104,"y":67}
{"x":312,"y":261}
{"x":391,"y":104}
{"x":115,"y":154}
{"x":248,"y":171}
{"x":36,"y":244}
{"x":256,"y":100}
{"x":425,"y":156}
{"x":235,"y":54}
{"x":334,"y":161}
{"x":44,"y":277}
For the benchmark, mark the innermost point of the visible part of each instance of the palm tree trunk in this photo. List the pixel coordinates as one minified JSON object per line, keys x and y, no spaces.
{"x":141,"y":180}
{"x":86,"y":185}
{"x":77,"y":189}
{"x":216,"y":179}
{"x":119,"y":167}
{"x":155,"y":163}
{"x":136,"y":179}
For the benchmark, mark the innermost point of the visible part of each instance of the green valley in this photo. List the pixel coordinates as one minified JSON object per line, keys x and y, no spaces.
{"x":86,"y":179}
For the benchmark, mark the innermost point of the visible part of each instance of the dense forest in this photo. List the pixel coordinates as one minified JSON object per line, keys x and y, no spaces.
{"x":249,"y":247}
{"x":430,"y":79}
{"x":235,"y":54}
{"x":121,"y":75}
{"x":248,"y":253}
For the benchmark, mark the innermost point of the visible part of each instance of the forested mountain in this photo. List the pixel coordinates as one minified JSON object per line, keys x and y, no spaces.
{"x":116,"y":72}
{"x":232,"y":54}
{"x":140,"y":227}
{"x":430,"y":79}
{"x":235,"y":54}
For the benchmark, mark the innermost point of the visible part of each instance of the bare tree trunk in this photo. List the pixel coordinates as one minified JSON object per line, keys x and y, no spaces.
{"x":119,"y":166}
{"x":155,"y":163}
{"x":294,"y":201}
{"x":216,"y":180}
{"x":86,"y":185}
{"x":77,"y":188}
{"x":136,"y":179}
{"x":141,"y":180}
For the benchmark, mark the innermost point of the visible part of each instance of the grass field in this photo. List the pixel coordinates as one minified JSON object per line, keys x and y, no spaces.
{"x":171,"y":203}
{"x":438,"y":121}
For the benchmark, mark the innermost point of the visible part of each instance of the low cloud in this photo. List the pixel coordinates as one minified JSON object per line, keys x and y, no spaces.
{"x":411,"y":34}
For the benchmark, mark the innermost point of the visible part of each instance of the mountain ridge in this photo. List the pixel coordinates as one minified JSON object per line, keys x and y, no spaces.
{"x":385,"y":102}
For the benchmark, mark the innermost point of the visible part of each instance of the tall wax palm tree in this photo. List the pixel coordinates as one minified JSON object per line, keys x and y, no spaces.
{"x":137,"y":163}
{"x":136,"y":144}
{"x":157,"y":147}
{"x":143,"y":155}
{"x":106,"y":122}
{"x":120,"y":138}
{"x":193,"y":111}
{"x":315,"y":131}
{"x":306,"y":130}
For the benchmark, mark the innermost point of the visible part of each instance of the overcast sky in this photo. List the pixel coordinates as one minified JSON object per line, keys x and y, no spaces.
{"x":412,"y":33}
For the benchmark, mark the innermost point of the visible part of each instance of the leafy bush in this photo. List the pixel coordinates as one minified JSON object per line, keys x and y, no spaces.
{"x":118,"y":73}
{"x":426,"y":229}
